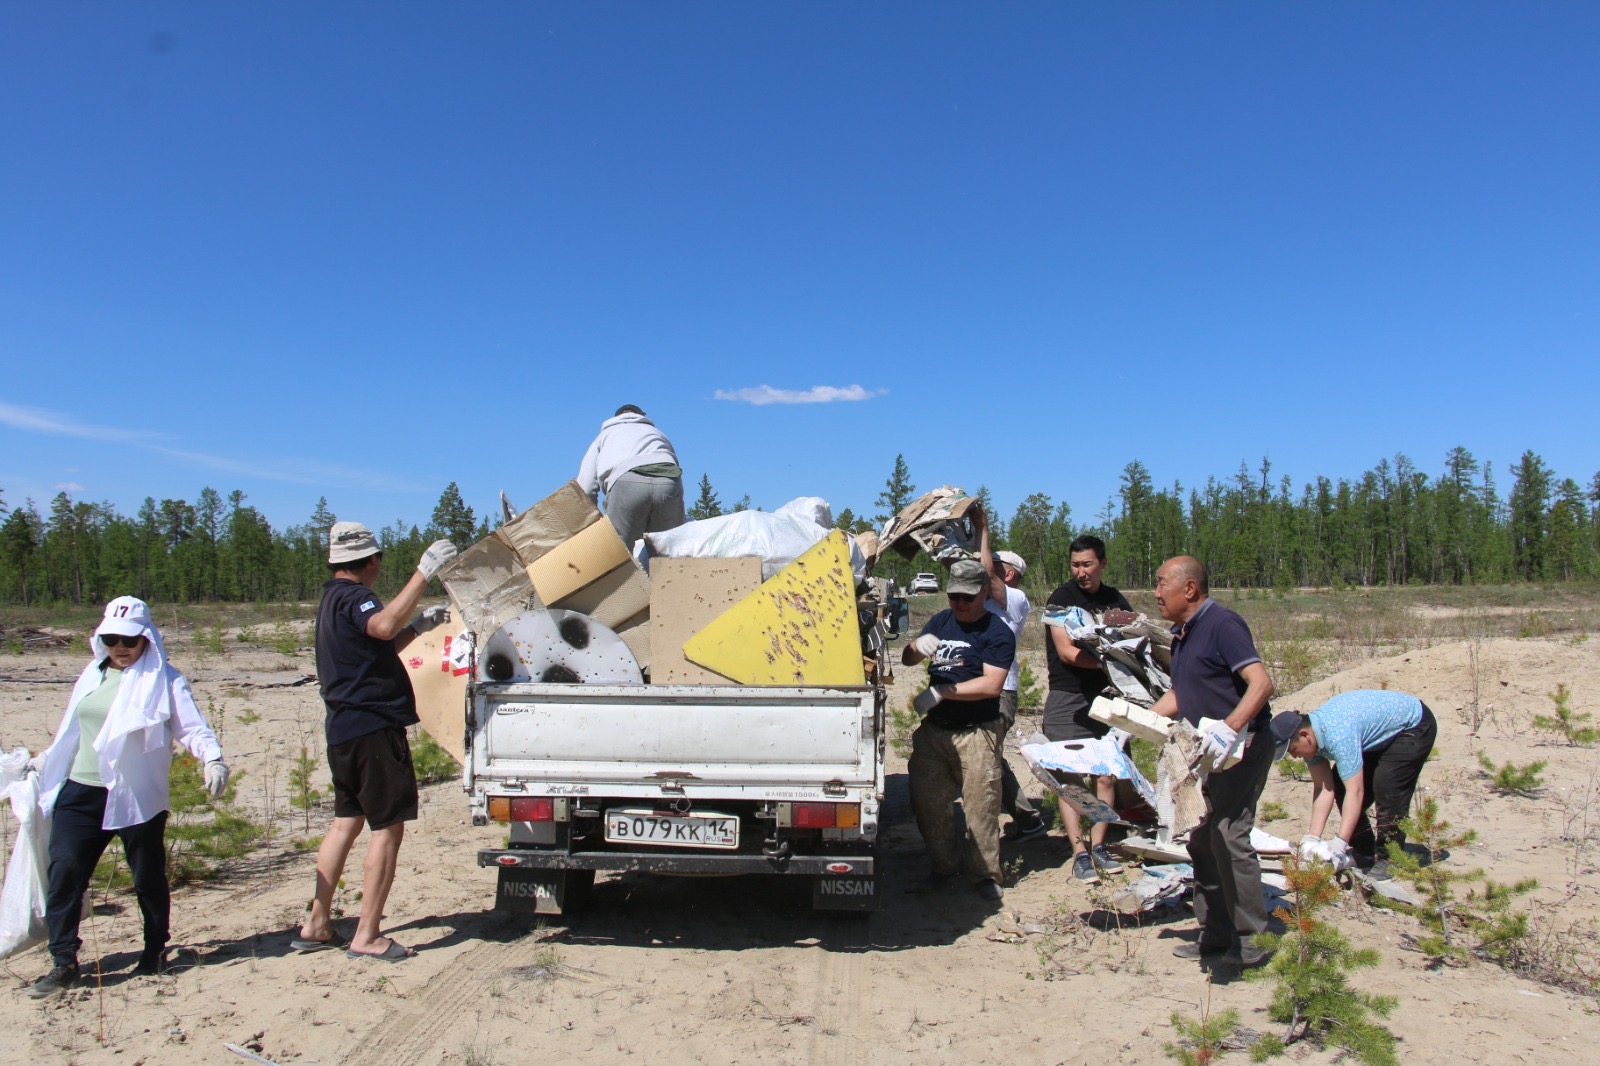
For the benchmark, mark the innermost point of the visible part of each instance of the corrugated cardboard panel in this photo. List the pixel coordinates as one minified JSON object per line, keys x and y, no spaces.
{"x":440,"y":689}
{"x":798,"y":628}
{"x":635,"y":633}
{"x":685,"y":595}
{"x":584,"y":557}
{"x":614,"y":597}
{"x":489,"y":586}
{"x":550,"y":522}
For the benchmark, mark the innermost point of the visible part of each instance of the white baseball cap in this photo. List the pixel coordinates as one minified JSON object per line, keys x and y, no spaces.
{"x":126,"y":616}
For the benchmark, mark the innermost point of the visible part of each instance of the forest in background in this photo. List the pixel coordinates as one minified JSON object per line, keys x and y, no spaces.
{"x":1392,"y":525}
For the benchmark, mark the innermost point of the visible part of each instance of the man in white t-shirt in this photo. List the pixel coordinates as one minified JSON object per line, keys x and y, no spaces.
{"x":1007,"y":600}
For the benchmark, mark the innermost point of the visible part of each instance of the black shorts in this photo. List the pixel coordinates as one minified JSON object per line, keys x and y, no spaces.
{"x":373,"y":779}
{"x":1066,"y":717}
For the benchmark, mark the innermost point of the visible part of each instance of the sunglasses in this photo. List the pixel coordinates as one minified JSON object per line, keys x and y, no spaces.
{"x":962,"y":597}
{"x":116,"y":640}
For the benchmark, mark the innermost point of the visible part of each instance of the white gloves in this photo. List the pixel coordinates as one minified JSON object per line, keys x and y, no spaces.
{"x":36,"y":764}
{"x":929,"y":698}
{"x":430,"y":618}
{"x":438,"y":555}
{"x":1334,"y":852}
{"x":926,"y":645}
{"x":216,"y":777}
{"x":1218,"y":738}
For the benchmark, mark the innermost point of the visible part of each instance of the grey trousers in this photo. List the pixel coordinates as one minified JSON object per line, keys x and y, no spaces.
{"x":1227,"y":872}
{"x":638,"y":504}
{"x":1012,"y":799}
{"x":946,"y":764}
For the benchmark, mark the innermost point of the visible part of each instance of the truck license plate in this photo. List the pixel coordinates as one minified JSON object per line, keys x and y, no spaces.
{"x":631,"y":826}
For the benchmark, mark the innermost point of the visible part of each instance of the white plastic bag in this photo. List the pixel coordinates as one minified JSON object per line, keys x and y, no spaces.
{"x":777,"y":538}
{"x":22,"y":898}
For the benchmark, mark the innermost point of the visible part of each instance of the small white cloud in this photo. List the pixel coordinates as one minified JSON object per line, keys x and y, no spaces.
{"x":68,"y":486}
{"x":38,"y":421}
{"x":762,"y":395}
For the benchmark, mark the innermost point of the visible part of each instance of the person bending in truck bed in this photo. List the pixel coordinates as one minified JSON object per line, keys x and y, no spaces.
{"x":370,"y":704}
{"x":956,"y":750}
{"x":634,"y":463}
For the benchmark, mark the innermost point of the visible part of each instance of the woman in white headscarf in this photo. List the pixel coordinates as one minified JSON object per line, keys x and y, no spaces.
{"x":105,"y":775}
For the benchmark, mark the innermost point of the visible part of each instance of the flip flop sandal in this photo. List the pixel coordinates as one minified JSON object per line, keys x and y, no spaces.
{"x":393,"y":953}
{"x":305,"y":947}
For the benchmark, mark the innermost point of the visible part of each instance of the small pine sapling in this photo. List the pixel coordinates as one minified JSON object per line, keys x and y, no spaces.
{"x":1030,"y":694}
{"x":1569,"y":723}
{"x":203,"y":832}
{"x":431,"y":762}
{"x":1481,"y":923}
{"x":1511,"y":778}
{"x":1310,"y":970}
{"x":1199,"y":1043}
{"x":302,"y":796}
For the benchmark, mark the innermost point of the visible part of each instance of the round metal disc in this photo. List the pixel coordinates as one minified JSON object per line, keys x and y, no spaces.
{"x":557,"y":646}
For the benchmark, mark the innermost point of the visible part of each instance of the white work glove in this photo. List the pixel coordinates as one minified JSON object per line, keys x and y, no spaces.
{"x":36,"y":764}
{"x":1310,"y":848}
{"x":1338,"y":853}
{"x":929,"y":698}
{"x":216,"y":777}
{"x":438,"y":555}
{"x":926,"y":645}
{"x":429,"y":619}
{"x":1218,"y":739}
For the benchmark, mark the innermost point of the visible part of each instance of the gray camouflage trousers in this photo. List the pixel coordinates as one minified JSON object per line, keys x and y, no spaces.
{"x":945,"y":765}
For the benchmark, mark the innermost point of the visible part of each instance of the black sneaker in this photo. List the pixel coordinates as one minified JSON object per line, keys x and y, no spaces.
{"x":59,"y":979}
{"x":1248,"y":955}
{"x":989,"y":891}
{"x":1104,"y":861}
{"x":1083,"y":869}
{"x":1019,"y":831}
{"x":152,"y":962}
{"x":1380,"y":871}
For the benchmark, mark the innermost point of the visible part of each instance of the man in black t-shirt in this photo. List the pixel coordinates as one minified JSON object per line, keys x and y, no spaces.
{"x":1076,"y":678}
{"x":369,"y":703}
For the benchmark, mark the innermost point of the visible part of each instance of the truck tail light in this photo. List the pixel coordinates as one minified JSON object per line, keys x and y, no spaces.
{"x":522,"y":809}
{"x":533,"y":809}
{"x":825,"y":815}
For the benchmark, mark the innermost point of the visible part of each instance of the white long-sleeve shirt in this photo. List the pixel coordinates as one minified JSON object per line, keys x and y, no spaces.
{"x":626,"y":442}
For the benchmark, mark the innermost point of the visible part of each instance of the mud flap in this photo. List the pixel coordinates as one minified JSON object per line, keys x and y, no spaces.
{"x":851,"y":892}
{"x":527,"y":891}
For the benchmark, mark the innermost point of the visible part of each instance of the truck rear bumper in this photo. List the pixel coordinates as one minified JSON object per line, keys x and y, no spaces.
{"x":859,"y":865}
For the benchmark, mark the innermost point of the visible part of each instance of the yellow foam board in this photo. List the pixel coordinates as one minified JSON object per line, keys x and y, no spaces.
{"x":798,"y":628}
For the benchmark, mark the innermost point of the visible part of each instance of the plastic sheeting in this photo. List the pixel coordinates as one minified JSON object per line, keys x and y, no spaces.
{"x":777,"y":539}
{"x":22,"y":898}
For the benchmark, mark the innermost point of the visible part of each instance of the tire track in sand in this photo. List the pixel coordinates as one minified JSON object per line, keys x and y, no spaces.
{"x":839,"y":1011}
{"x":415,"y":1028}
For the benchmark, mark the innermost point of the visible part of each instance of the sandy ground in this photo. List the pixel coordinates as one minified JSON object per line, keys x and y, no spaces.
{"x":740,"y":970}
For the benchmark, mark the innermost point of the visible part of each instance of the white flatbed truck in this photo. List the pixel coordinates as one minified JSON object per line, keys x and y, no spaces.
{"x":676,"y":779}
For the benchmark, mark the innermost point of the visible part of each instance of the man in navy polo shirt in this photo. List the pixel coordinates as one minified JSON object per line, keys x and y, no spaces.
{"x":956,"y":750}
{"x":1218,"y":675}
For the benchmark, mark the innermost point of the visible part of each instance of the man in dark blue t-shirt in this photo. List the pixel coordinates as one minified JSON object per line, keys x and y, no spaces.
{"x":1218,"y":680}
{"x":369,"y":704}
{"x":956,"y":750}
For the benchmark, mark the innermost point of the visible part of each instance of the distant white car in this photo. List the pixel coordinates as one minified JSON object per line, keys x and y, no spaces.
{"x":924,"y":583}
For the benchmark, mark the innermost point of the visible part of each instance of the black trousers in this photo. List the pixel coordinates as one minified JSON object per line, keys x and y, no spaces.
{"x":76,"y":844}
{"x":1389,"y":772}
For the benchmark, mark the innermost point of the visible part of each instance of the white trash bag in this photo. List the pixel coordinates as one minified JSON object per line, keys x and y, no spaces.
{"x":22,"y":899}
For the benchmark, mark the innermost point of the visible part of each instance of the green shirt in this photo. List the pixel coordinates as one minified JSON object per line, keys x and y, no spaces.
{"x":92,"y":713}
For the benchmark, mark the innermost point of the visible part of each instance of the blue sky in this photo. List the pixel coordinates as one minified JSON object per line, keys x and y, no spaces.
{"x":362,"y":250}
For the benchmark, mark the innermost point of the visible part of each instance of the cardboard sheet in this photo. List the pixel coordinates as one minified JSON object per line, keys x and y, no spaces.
{"x":437,"y":665}
{"x":685,"y":596}
{"x":549,"y":523}
{"x":578,"y":561}
{"x":488,"y":586}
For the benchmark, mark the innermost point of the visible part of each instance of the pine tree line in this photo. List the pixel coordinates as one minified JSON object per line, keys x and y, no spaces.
{"x":1393,"y":525}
